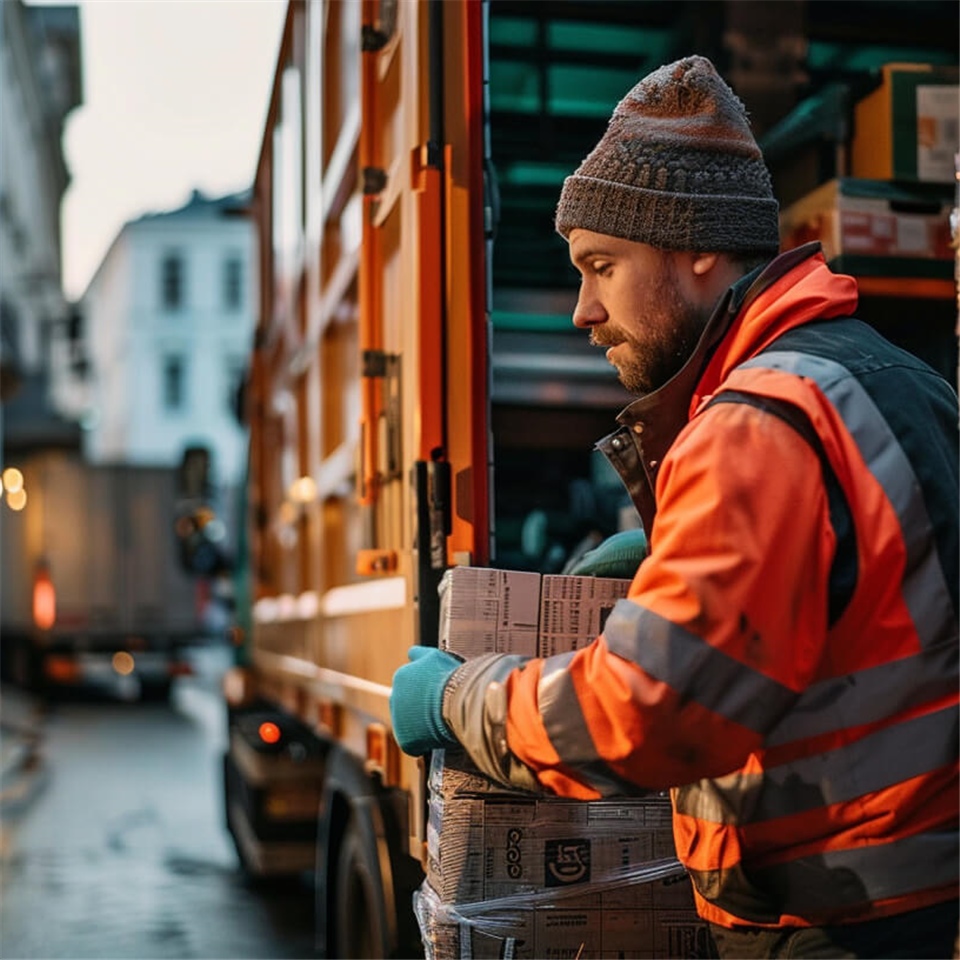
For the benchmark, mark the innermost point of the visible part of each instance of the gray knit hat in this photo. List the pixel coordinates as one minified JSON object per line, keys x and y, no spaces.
{"x":677,"y":168}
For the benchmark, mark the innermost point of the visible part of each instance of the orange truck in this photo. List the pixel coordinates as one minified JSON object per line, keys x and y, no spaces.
{"x":417,"y":397}
{"x":378,"y":380}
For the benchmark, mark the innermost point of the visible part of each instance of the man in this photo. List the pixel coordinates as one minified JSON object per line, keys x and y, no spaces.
{"x":787,"y":657}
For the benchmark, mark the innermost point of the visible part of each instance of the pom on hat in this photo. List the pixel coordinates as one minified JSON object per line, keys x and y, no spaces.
{"x":678,"y":168}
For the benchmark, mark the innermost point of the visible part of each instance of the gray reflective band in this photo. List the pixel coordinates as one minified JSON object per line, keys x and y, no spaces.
{"x":870,"y":695}
{"x":722,"y":684}
{"x":883,"y":759}
{"x":820,"y":885}
{"x":694,"y":669}
{"x":924,"y":590}
{"x":567,"y":728}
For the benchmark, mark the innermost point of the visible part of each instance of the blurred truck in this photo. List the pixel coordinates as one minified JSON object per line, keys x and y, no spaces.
{"x":417,"y":398}
{"x":92,"y":589}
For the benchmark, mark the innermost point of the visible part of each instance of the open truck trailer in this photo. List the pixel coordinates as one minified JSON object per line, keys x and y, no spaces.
{"x":417,"y":396}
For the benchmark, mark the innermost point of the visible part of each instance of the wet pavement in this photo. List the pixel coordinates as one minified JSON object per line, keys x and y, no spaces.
{"x":22,"y":771}
{"x":112,"y":842}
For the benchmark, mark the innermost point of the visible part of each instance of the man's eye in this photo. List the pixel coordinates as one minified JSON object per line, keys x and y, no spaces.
{"x":602,"y":267}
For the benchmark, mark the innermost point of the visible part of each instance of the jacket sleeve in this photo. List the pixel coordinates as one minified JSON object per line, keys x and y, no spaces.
{"x":475,"y":709}
{"x":724,"y":626}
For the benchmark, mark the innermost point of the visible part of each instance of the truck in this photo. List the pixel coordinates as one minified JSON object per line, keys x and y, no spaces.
{"x":93,"y":590}
{"x":417,"y":398}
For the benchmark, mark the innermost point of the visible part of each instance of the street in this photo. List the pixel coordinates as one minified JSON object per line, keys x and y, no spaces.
{"x":120,"y":850}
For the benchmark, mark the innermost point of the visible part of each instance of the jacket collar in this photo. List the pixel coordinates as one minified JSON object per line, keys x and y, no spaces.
{"x":649,"y":425}
{"x":676,"y":393}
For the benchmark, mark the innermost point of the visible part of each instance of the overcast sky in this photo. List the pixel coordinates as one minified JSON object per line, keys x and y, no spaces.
{"x":175,"y":95}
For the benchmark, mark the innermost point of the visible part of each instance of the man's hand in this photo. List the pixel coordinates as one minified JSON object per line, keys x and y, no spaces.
{"x":416,"y":701}
{"x":617,"y":556}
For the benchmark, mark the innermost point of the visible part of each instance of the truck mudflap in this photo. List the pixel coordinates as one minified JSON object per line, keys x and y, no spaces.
{"x":365,"y":876}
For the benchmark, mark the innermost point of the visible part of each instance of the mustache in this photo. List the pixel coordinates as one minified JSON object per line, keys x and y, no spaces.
{"x":604,"y":338}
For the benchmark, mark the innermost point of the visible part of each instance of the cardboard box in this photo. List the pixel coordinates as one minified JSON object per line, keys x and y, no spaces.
{"x":483,"y":610}
{"x":490,"y":848}
{"x":573,"y":610}
{"x":557,"y":932}
{"x":870,"y":218}
{"x":907,"y":128}
{"x":527,"y":875}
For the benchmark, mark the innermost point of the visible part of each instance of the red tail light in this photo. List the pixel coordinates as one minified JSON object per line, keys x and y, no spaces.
{"x":44,"y":599}
{"x":269,"y":732}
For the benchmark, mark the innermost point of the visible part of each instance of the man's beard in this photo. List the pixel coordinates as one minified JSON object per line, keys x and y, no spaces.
{"x":672,"y":327}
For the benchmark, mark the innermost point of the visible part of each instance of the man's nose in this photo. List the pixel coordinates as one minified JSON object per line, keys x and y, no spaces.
{"x":588,"y":311}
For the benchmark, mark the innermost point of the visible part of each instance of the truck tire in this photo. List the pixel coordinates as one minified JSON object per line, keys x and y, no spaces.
{"x":359,"y":930}
{"x":364,"y":879}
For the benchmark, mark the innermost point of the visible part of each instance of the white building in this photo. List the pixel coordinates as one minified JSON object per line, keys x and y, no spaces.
{"x":40,"y":83}
{"x":168,"y":318}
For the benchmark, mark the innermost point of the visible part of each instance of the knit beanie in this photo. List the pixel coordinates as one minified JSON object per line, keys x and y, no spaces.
{"x":678,"y":168}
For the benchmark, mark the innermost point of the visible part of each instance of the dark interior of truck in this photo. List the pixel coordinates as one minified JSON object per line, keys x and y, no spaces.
{"x":556,"y":71}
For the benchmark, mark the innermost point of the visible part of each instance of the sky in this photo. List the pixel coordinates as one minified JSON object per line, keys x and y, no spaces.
{"x":175,"y":96}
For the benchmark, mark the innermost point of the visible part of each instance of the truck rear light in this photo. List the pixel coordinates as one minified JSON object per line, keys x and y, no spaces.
{"x":44,"y":598}
{"x":122,"y":663}
{"x":269,"y":732}
{"x":61,"y":669}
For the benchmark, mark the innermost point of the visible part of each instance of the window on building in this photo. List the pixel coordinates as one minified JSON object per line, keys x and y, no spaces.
{"x":233,"y":282}
{"x":172,"y":281}
{"x":174,"y":382}
{"x":235,"y":370}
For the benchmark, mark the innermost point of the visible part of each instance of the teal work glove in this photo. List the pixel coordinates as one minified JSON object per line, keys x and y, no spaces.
{"x":416,"y":701}
{"x":617,"y":556}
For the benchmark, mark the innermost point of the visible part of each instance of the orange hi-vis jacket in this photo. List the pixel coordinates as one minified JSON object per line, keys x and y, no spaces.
{"x":787,"y":657}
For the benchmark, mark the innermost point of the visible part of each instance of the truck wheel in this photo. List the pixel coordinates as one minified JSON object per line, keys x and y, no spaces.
{"x":359,"y":928}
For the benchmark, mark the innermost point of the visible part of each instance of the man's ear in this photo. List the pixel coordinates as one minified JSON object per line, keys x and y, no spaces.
{"x":703,"y":263}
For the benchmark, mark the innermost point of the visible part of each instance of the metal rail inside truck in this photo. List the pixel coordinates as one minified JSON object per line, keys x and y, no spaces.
{"x":417,"y":397}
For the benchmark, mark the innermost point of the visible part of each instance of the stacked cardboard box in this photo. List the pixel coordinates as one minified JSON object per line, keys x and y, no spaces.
{"x":489,"y":611}
{"x":872,"y":218}
{"x":549,"y":877}
{"x":511,"y":611}
{"x":514,"y":873}
{"x":906,"y":129}
{"x":573,"y":610}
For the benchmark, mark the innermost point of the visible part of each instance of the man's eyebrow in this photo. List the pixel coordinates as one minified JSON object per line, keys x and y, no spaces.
{"x":588,"y":253}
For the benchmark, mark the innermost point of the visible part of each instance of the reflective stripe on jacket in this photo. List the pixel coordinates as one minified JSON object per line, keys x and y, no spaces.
{"x":787,"y":657}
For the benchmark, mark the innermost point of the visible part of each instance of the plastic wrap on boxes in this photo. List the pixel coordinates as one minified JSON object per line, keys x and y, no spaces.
{"x":543,"y":926}
{"x":511,"y":873}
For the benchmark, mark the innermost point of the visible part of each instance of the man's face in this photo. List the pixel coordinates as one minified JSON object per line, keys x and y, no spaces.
{"x":632,"y":302}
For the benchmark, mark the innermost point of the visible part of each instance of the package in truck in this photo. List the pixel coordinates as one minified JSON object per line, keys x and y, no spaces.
{"x":854,"y":218}
{"x":907,"y":128}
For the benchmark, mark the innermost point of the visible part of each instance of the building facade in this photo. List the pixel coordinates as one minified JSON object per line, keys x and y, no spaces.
{"x":40,"y":84}
{"x":167,"y":321}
